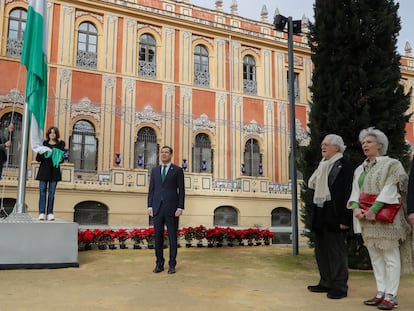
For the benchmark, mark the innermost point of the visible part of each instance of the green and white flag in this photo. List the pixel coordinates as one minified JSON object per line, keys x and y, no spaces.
{"x":34,"y":57}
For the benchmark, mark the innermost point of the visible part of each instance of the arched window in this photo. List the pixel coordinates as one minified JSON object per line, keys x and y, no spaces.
{"x":146,"y":149}
{"x":91,"y":213}
{"x":87,"y":56}
{"x":147,"y":66}
{"x":252,"y":157}
{"x":282,"y":218}
{"x":201,"y":67}
{"x":16,"y":136}
{"x":17,"y":25}
{"x":249,"y":75}
{"x":83,"y":147}
{"x":225,"y":216}
{"x":202,"y":154}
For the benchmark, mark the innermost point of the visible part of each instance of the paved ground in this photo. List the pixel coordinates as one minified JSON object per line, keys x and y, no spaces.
{"x":240,"y":278}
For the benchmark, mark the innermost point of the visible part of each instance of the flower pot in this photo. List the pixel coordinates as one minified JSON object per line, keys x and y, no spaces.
{"x":102,"y":246}
{"x":210,"y":244}
{"x":112,"y":246}
{"x":123,"y":246}
{"x":199,"y":244}
{"x":267,"y":242}
{"x":137,"y":246}
{"x":250,"y":243}
{"x":230,"y":244}
{"x":219,"y":244}
{"x":150,"y":246}
{"x":258,"y":243}
{"x":188,"y":245}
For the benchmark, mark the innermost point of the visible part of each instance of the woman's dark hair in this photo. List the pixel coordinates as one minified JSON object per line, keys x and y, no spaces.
{"x":55,"y":129}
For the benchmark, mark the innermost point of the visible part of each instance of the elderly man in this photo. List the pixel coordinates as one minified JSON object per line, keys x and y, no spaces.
{"x":332,"y":184}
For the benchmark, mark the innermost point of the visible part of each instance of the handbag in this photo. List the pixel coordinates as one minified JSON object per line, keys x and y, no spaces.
{"x":386,"y":214}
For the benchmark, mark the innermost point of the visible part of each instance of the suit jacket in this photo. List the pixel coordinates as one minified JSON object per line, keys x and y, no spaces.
{"x":410,"y":193}
{"x":169,"y":193}
{"x":335,"y":212}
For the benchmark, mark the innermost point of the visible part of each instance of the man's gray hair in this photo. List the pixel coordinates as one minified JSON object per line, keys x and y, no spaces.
{"x":380,"y":136}
{"x":337,"y":141}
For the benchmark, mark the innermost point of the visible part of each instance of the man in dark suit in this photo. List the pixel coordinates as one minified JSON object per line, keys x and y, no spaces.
{"x":166,"y":204}
{"x":332,"y":182}
{"x":410,"y":195}
{"x":5,"y":142}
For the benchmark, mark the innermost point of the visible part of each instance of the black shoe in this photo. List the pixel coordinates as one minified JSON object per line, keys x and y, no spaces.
{"x":318,"y":289}
{"x":158,"y":269}
{"x":171,"y":270}
{"x":336,"y":294}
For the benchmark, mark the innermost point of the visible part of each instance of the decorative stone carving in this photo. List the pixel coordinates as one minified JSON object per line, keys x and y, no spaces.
{"x":253,"y":129}
{"x":129,"y":85}
{"x":156,"y":29}
{"x":148,"y":116}
{"x":209,"y":40}
{"x":65,"y":75}
{"x":86,"y":108}
{"x":302,"y":136}
{"x":11,"y":98}
{"x":82,"y":13}
{"x":203,"y":123}
{"x":109,"y":82}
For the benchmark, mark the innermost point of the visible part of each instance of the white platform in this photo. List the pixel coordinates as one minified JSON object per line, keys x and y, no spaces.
{"x":27,"y":243}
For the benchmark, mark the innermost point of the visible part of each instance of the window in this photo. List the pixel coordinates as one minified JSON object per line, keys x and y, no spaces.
{"x":17,"y":25}
{"x":91,"y":213}
{"x":87,"y":46}
{"x":295,"y":86}
{"x":249,"y":75}
{"x":83,"y":147}
{"x":225,"y":216}
{"x":16,"y":136}
{"x":252,"y":158}
{"x":201,"y":71}
{"x":281,"y":217}
{"x":202,"y":154}
{"x":146,"y":149}
{"x":147,"y":67}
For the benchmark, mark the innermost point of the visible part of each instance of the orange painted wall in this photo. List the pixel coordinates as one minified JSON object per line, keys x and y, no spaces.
{"x":86,"y":85}
{"x":149,"y":93}
{"x":12,"y":75}
{"x":204,"y":102}
{"x":253,"y":110}
{"x":55,"y":34}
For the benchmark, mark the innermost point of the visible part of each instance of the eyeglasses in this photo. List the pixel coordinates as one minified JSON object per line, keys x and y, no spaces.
{"x":325,"y":145}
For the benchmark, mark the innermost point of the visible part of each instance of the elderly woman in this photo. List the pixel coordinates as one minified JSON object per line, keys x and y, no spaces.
{"x":388,"y":243}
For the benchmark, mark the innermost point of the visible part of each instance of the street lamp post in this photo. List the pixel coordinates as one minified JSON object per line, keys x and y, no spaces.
{"x":294,"y":27}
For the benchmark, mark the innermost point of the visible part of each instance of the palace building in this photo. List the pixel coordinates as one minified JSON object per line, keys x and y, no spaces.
{"x":127,"y":77}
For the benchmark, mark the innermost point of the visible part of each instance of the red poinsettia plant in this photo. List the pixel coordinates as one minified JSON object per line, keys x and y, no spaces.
{"x":122,"y":235}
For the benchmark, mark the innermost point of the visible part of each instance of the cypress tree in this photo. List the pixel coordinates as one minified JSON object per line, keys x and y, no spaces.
{"x":355,"y":84}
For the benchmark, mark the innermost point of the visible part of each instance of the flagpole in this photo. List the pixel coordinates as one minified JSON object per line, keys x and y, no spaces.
{"x":19,"y":208}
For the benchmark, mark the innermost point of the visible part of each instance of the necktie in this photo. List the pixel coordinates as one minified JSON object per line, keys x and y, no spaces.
{"x":164,"y":172}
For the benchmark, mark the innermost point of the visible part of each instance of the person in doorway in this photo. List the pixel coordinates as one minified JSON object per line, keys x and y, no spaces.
{"x":5,"y":143}
{"x":49,"y":173}
{"x":389,"y":244}
{"x":332,"y":182}
{"x":166,"y":204}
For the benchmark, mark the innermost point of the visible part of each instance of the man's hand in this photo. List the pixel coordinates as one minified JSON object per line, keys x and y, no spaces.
{"x":7,"y":143}
{"x":411,"y":218}
{"x":150,"y":212}
{"x":178,"y":212}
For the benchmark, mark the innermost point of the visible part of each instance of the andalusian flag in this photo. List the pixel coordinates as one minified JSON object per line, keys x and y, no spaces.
{"x":34,"y":57}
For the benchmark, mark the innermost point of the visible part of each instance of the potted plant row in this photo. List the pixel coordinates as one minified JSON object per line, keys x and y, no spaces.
{"x":214,"y":237}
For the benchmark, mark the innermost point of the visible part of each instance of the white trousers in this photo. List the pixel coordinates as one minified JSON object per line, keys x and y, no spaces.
{"x":387,"y":269}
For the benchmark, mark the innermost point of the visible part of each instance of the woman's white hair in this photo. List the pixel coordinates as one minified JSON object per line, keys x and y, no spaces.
{"x":380,"y":136}
{"x":337,"y":140}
